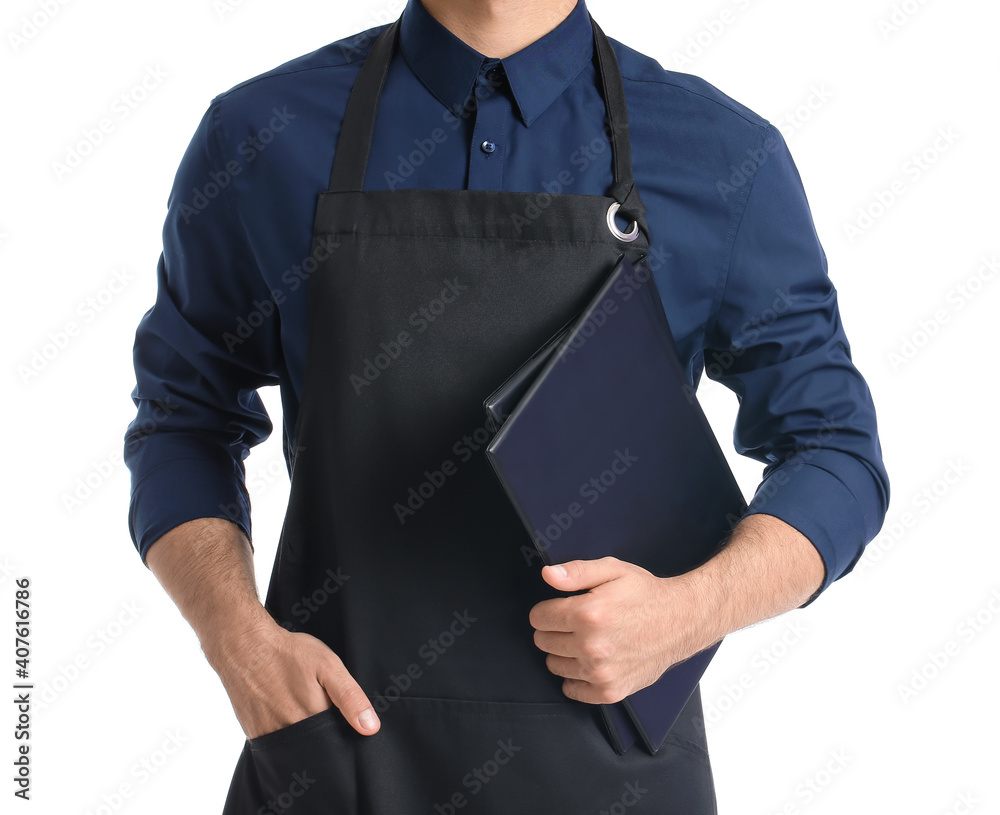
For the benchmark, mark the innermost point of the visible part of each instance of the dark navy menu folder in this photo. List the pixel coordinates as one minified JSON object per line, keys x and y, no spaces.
{"x":603,"y":450}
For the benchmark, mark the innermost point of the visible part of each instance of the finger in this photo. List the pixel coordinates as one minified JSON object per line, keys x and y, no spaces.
{"x":588,"y":610}
{"x":600,"y":677}
{"x":586,"y":692}
{"x":576,"y":575}
{"x":348,"y":696}
{"x":558,"y":643}
{"x":553,"y":615}
{"x":566,"y":667}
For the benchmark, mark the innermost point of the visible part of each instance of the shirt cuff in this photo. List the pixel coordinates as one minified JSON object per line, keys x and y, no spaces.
{"x":817,"y":502}
{"x":195,"y":481}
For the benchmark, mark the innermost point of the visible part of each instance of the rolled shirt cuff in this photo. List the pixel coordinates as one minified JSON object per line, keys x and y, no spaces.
{"x":818,"y":503}
{"x":202,"y":482}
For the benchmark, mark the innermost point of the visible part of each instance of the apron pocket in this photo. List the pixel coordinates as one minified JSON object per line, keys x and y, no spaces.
{"x":435,"y":756}
{"x":469,"y":757}
{"x":306,"y":768}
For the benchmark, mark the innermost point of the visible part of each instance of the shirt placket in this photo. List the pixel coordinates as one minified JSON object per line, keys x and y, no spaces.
{"x":493,"y":114}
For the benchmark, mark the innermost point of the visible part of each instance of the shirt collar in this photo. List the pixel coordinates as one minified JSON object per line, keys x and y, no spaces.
{"x":537,"y":74}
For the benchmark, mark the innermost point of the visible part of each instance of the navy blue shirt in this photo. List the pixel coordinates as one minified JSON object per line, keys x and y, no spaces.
{"x":746,"y":290}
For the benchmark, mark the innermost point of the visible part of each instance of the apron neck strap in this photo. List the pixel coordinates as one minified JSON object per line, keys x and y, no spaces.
{"x":623,"y":189}
{"x":351,"y":157}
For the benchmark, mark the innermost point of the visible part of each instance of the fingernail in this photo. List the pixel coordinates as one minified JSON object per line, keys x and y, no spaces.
{"x":560,"y":571}
{"x":368,"y":720}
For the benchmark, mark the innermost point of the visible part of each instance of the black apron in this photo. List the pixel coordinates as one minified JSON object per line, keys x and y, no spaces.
{"x":399,"y":548}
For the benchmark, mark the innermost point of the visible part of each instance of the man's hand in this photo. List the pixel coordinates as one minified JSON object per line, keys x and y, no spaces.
{"x":274,"y":677}
{"x":630,"y":626}
{"x":621,"y":635}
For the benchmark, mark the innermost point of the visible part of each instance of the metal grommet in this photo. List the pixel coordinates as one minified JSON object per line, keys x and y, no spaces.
{"x":629,"y":236}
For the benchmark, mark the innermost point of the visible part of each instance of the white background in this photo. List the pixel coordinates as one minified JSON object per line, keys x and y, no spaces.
{"x":820,"y":723}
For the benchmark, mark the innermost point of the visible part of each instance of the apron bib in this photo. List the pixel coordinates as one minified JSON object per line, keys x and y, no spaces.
{"x":399,"y":548}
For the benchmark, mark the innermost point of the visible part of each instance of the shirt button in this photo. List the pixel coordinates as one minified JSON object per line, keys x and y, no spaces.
{"x":494,"y":75}
{"x":488,"y":146}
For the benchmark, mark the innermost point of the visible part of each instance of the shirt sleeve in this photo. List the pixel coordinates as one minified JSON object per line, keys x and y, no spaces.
{"x":200,"y":353}
{"x":777,"y":341}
